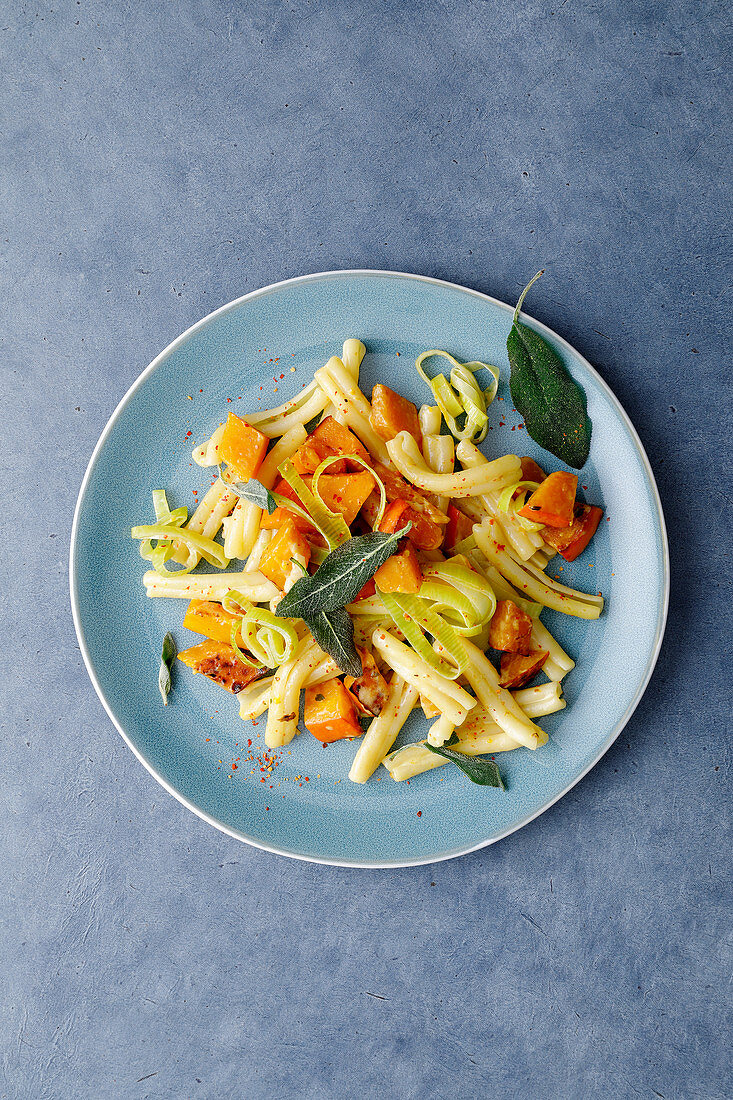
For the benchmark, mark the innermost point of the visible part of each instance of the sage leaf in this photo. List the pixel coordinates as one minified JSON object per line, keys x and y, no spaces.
{"x":552,"y":404}
{"x":483,"y":772}
{"x":253,"y":491}
{"x":334,"y":632}
{"x":168,"y":656}
{"x":340,"y":576}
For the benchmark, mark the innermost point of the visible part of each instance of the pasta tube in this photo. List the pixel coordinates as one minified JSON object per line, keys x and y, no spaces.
{"x":352,"y":407}
{"x":207,"y":519}
{"x":558,"y":664}
{"x":282,"y":713}
{"x":255,"y":698}
{"x":405,"y":454}
{"x":479,"y":734}
{"x":439,"y":452}
{"x":207,"y":454}
{"x":451,"y":700}
{"x":383,"y":730}
{"x":533,"y":582}
{"x":210,"y":586}
{"x":242,"y":527}
{"x":501,"y":705}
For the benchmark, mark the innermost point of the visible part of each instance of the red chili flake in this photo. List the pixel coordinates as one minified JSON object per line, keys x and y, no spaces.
{"x":419,"y":813}
{"x":249,"y":742}
{"x":500,"y":546}
{"x":234,"y":767}
{"x":267,"y":807}
{"x":282,"y":375}
{"x":229,"y":400}
{"x":586,"y":488}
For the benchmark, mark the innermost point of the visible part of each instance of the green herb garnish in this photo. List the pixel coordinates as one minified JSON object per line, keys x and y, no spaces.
{"x":167,"y":658}
{"x":483,"y":772}
{"x":341,"y":575}
{"x":253,"y":491}
{"x":334,"y":632}
{"x":552,"y":404}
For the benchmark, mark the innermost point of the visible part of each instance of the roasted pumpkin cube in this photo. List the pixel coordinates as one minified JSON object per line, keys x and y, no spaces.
{"x":220,"y":663}
{"x":401,"y":572}
{"x":398,"y":488}
{"x":332,"y":438}
{"x":572,"y":540}
{"x":423,"y":533}
{"x":278,"y":556}
{"x":370,"y":690}
{"x":553,"y":502}
{"x":307,"y":459}
{"x":210,"y":619}
{"x":342,"y":493}
{"x":392,"y":413}
{"x":242,"y":447}
{"x":517,"y":669}
{"x":330,"y":714}
{"x":511,"y":628}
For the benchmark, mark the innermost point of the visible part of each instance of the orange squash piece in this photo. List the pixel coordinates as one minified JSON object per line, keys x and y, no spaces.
{"x":572,"y":541}
{"x":391,"y":413}
{"x":344,"y":493}
{"x":307,"y":460}
{"x":425,"y":534}
{"x":277,"y":558}
{"x":531,"y":470}
{"x":511,"y":628}
{"x":552,"y":504}
{"x":242,"y":447}
{"x":210,"y":619}
{"x":220,"y":663}
{"x":401,"y":572}
{"x":517,"y":669}
{"x":459,"y":527}
{"x":332,"y":438}
{"x":368,"y":590}
{"x":330,"y":714}
{"x":397,"y":488}
{"x":370,"y":690}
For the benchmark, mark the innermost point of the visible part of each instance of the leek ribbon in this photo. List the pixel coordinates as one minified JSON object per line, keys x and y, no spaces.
{"x":158,"y":540}
{"x":270,"y":640}
{"x":508,"y":503}
{"x":462,"y":395}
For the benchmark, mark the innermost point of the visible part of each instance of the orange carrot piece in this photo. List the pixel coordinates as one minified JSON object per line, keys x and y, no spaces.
{"x":531,"y":471}
{"x":342,"y":493}
{"x":459,"y":527}
{"x":572,"y":541}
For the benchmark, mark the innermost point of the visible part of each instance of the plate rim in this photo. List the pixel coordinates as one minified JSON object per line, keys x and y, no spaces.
{"x":237,"y":834}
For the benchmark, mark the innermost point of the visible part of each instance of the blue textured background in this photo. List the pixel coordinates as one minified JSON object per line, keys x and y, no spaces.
{"x":160,"y":161}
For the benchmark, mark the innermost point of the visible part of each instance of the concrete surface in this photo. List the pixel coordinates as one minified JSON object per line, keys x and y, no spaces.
{"x":160,"y":160}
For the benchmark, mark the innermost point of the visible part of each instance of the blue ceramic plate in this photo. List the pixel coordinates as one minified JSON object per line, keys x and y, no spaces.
{"x":276,"y":338}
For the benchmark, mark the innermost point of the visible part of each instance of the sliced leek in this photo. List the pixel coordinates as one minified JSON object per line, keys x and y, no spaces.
{"x":462,"y":395}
